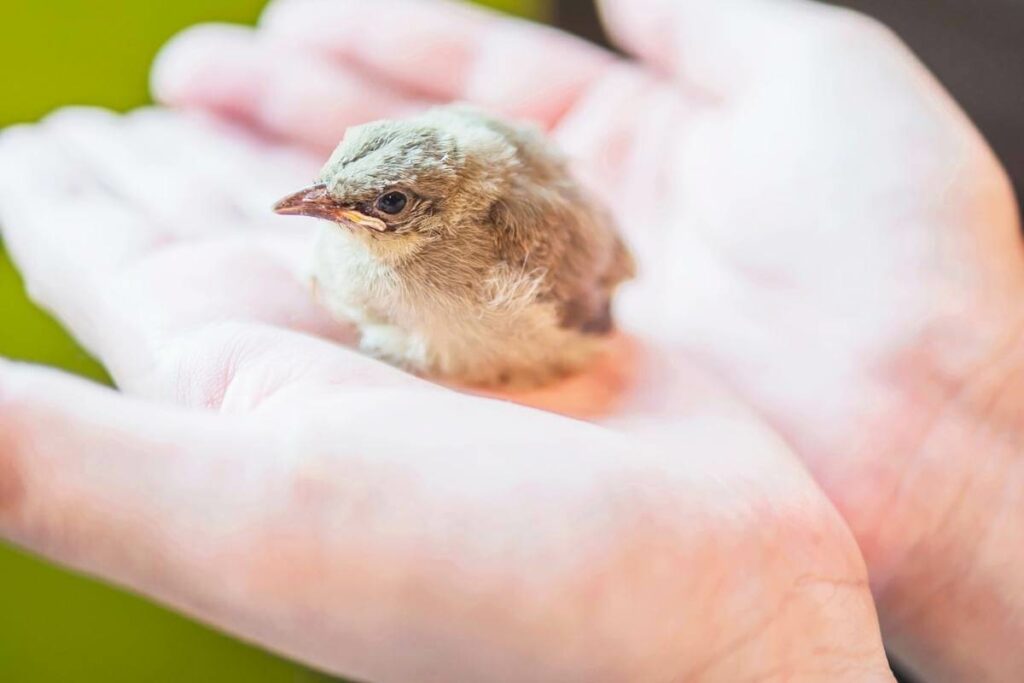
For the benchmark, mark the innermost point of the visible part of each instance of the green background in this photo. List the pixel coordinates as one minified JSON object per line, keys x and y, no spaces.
{"x":55,"y":626}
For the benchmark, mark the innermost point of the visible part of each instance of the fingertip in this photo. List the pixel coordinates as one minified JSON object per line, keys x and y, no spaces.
{"x":6,"y":368}
{"x":80,"y":117}
{"x":206,"y":65}
{"x":553,"y":71}
{"x":11,"y":139}
{"x":644,"y":27}
{"x":270,"y":85}
{"x":291,"y":17}
{"x":610,"y":13}
{"x":24,"y":149}
{"x":424,"y":47}
{"x":331,"y":27}
{"x":323,"y":22}
{"x":23,"y":384}
{"x":16,"y":147}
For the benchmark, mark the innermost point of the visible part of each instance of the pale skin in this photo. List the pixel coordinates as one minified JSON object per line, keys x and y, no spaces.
{"x":827,"y":250}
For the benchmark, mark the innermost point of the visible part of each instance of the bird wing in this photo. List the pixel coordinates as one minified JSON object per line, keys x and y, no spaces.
{"x":585,"y":304}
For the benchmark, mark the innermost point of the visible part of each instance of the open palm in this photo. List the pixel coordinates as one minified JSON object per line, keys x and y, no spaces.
{"x":784,"y":249}
{"x":816,"y":220}
{"x":817,"y":224}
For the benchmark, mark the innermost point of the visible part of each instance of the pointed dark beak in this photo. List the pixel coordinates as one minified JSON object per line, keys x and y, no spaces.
{"x":312,"y":201}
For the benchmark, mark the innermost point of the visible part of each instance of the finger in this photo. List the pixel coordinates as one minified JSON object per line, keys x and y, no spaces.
{"x":188,"y":321}
{"x":140,"y":295}
{"x":446,"y":51}
{"x":63,"y":226}
{"x":101,"y":481}
{"x":38,"y":177}
{"x":103,"y":145}
{"x":263,"y":528}
{"x":192,"y":175}
{"x":106,"y":188}
{"x":230,"y":71}
{"x":225,"y":161}
{"x":88,"y":192}
{"x":171,"y":503}
{"x":722,"y":46}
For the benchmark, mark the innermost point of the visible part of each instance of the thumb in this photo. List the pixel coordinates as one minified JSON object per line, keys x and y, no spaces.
{"x":138,"y":493}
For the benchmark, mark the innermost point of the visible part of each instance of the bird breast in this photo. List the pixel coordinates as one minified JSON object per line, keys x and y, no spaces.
{"x":351,"y":281}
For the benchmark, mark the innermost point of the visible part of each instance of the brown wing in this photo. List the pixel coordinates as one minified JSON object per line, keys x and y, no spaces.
{"x":547,"y":221}
{"x":589,"y":309}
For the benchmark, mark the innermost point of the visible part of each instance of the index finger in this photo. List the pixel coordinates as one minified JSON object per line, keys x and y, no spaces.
{"x":166,"y":272}
{"x":447,"y":51}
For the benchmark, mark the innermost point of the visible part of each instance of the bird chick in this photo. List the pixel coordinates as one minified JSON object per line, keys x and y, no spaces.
{"x":462,"y":249}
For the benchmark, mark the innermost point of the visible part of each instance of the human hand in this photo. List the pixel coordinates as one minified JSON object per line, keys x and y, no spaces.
{"x":268,"y":480}
{"x":815,"y":221}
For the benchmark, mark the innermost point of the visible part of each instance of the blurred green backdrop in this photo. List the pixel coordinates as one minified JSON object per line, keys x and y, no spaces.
{"x":55,"y":626}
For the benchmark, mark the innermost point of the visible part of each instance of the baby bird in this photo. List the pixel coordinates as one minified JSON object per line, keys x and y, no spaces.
{"x":462,"y":249}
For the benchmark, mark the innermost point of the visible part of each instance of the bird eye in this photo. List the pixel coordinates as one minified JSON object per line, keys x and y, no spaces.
{"x":392,"y":202}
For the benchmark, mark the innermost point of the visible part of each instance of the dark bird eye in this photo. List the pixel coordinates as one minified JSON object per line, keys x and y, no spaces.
{"x":392,"y":202}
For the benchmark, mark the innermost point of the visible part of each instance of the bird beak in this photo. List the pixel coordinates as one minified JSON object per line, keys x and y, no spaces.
{"x":313,"y":201}
{"x":316,"y":202}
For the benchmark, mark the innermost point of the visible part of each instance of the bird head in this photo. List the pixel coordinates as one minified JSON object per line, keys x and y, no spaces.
{"x":392,"y":184}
